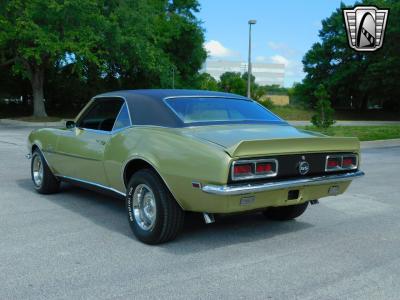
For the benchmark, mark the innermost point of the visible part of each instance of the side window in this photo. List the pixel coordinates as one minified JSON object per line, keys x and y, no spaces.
{"x":123,"y":119}
{"x":101,"y":115}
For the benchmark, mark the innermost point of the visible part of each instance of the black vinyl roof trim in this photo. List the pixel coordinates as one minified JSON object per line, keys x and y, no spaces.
{"x":160,"y":94}
{"x":148,"y":108}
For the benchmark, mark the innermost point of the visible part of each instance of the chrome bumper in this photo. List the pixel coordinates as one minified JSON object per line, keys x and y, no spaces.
{"x":228,"y":190}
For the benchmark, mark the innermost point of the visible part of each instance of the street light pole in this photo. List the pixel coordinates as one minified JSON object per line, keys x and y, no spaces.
{"x":251,"y":22}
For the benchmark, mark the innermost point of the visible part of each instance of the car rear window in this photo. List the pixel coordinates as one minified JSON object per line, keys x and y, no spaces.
{"x":219,"y":110}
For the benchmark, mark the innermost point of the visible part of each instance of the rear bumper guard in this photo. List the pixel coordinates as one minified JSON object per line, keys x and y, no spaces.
{"x":228,"y":190}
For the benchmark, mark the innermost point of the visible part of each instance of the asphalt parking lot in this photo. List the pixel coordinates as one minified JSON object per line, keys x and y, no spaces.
{"x":77,"y":244}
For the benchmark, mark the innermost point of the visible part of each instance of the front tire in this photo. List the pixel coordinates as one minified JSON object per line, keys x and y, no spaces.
{"x":285,"y":213}
{"x":153,"y":214}
{"x":43,"y":179}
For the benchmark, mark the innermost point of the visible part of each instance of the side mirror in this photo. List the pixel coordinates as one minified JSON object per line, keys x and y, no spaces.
{"x":70,"y":124}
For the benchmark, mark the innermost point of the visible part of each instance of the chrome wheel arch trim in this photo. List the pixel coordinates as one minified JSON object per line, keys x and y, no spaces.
{"x":139,"y":157}
{"x":36,"y":146}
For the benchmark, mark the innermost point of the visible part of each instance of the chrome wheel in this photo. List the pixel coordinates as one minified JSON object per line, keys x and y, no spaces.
{"x":144,"y":207}
{"x":37,"y":170}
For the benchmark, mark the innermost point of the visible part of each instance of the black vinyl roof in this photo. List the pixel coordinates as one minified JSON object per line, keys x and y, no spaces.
{"x":148,"y":108}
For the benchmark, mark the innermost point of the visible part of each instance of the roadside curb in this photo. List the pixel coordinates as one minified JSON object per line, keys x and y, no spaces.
{"x":31,"y":124}
{"x":380,"y":143}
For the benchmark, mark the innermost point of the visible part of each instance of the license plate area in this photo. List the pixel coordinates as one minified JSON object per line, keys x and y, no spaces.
{"x":293,"y":195}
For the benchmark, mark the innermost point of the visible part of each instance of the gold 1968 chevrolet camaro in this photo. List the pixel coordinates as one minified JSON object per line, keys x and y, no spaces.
{"x":172,"y":151}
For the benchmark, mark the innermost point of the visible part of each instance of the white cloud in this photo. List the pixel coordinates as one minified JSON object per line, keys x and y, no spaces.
{"x":261,"y":58}
{"x":276,"y":59}
{"x":279,"y":59}
{"x":283,"y":48}
{"x":275,"y":46}
{"x":291,"y":58}
{"x":283,"y":54}
{"x":293,"y":72}
{"x":293,"y":68}
{"x":216,"y":49}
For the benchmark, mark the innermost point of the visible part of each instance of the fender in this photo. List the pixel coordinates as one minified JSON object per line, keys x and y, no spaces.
{"x":152,"y":164}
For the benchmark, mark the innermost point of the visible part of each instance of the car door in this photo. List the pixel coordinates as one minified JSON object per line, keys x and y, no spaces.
{"x":80,"y":150}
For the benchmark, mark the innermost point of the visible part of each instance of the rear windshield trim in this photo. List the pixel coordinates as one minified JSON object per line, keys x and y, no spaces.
{"x":207,"y":123}
{"x":279,"y":121}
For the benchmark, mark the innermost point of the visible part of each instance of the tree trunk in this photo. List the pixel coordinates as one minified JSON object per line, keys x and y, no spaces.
{"x":37,"y":77}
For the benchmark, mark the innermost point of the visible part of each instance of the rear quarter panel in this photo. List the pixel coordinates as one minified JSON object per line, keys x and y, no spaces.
{"x":178,"y":159}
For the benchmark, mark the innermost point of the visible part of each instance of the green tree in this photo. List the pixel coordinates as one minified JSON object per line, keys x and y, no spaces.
{"x":252,"y":79}
{"x":205,"y":81}
{"x":150,"y":40}
{"x":323,"y":117}
{"x":232,"y":82}
{"x":88,"y":46}
{"x":36,"y":34}
{"x":354,"y":79}
{"x":256,"y":91}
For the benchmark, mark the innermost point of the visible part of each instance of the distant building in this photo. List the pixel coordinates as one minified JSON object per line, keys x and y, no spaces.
{"x":265,"y":74}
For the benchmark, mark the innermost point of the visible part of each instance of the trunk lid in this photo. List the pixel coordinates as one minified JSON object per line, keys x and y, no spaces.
{"x":256,"y":140}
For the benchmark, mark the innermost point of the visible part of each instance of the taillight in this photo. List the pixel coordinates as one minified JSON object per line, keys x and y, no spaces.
{"x":242,"y":170}
{"x":253,"y":169}
{"x":349,"y":162}
{"x":262,"y":168}
{"x":341,"y":162}
{"x":333,"y":163}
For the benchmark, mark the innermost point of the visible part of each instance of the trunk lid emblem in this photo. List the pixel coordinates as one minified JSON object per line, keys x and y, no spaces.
{"x":304,"y":167}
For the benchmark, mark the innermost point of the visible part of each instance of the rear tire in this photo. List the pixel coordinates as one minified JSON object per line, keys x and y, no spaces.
{"x":43,"y":179}
{"x":153,"y":214}
{"x":285,"y":213}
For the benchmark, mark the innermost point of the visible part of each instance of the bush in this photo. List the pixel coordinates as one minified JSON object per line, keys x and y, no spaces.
{"x":267,"y":102}
{"x":323,"y":117}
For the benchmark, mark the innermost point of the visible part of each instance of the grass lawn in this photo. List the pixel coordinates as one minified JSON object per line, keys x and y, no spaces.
{"x":364,"y":133}
{"x":298,"y":113}
{"x":290,"y":112}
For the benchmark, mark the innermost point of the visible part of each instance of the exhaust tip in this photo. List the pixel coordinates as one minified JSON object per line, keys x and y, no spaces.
{"x":208,"y":218}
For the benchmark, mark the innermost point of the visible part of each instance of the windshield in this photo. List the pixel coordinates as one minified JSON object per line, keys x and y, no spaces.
{"x":220,"y":110}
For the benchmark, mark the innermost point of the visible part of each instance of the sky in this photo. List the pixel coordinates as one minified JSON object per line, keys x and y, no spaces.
{"x":285,"y":30}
